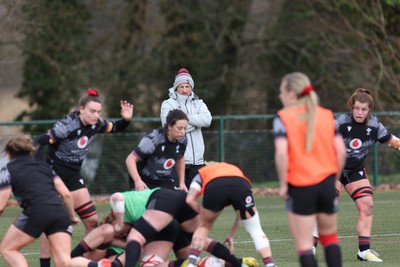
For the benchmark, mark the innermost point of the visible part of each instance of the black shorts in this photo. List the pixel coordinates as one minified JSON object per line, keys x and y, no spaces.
{"x":225,"y":191}
{"x":70,"y":174}
{"x":169,"y":233}
{"x":190,"y":172}
{"x":48,"y":219}
{"x":349,"y":176}
{"x":309,"y":200}
{"x":172,"y":202}
{"x":173,"y":185}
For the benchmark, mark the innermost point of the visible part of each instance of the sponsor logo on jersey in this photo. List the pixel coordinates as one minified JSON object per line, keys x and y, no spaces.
{"x":355,"y":143}
{"x":82,"y":142}
{"x":249,"y":201}
{"x":169,"y":163}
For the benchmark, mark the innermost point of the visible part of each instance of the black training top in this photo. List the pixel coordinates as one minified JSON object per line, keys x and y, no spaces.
{"x":31,"y":182}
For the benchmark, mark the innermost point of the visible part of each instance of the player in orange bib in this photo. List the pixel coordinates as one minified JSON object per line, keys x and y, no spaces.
{"x":309,"y":157}
{"x":222,"y":184}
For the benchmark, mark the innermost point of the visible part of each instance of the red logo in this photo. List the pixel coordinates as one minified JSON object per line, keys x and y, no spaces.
{"x":82,"y":142}
{"x":249,"y":200}
{"x":169,"y":163}
{"x":355,"y":143}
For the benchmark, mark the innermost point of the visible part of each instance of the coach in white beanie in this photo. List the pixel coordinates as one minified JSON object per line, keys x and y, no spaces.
{"x":183,"y":77}
{"x":181,"y":96}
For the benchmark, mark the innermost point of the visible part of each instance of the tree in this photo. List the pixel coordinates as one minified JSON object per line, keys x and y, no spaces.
{"x":342,"y":45}
{"x":54,"y":46}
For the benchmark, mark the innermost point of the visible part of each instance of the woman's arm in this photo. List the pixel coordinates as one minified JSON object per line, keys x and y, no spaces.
{"x":191,"y":199}
{"x":66,"y":198}
{"x":281,"y":163}
{"x":180,"y":168}
{"x":131,"y":165}
{"x":341,"y":153}
{"x":229,"y":238}
{"x":394,"y":142}
{"x":5,"y":194}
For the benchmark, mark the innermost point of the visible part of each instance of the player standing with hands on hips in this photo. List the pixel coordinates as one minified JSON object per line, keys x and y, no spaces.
{"x":309,"y":157}
{"x":360,"y":130}
{"x":181,"y":96}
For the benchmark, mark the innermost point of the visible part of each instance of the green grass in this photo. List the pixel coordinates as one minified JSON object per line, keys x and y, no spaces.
{"x":385,"y":234}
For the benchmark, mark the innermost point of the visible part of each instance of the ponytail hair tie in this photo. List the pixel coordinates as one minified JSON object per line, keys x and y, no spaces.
{"x":92,"y":92}
{"x":307,"y":89}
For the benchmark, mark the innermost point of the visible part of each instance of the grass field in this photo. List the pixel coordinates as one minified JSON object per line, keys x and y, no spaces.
{"x":385,"y":234}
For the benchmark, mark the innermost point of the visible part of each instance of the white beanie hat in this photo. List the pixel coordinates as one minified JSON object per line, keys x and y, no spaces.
{"x":183,"y":77}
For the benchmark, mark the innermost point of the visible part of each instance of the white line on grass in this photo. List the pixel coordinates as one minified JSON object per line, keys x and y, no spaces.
{"x":271,"y":240}
{"x":291,"y":239}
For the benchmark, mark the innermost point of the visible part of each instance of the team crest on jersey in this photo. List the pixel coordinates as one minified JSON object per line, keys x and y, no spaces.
{"x":369,"y":130}
{"x":355,"y":143}
{"x":169,"y":163}
{"x":177,"y":149}
{"x":83,"y":141}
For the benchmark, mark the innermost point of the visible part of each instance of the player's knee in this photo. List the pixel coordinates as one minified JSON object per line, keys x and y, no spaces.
{"x":107,"y":230}
{"x":253,"y":227}
{"x":117,"y":202}
{"x":366,"y":208}
{"x":4,"y":252}
{"x":117,"y":197}
{"x":90,"y":223}
{"x":62,"y":260}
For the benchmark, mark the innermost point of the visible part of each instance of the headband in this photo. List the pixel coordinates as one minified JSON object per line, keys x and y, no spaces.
{"x":92,"y":92}
{"x":307,"y":89}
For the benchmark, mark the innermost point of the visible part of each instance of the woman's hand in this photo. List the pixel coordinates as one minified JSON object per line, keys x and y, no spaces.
{"x":140,"y":185}
{"x":183,"y":187}
{"x":74,"y":220}
{"x":126,"y":110}
{"x":283,"y":192}
{"x":229,"y":241}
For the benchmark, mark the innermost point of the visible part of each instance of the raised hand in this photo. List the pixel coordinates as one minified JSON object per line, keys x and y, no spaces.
{"x":126,"y":110}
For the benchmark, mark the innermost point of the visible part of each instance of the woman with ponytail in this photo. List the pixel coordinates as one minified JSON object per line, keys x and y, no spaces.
{"x":309,"y":157}
{"x":69,"y":141}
